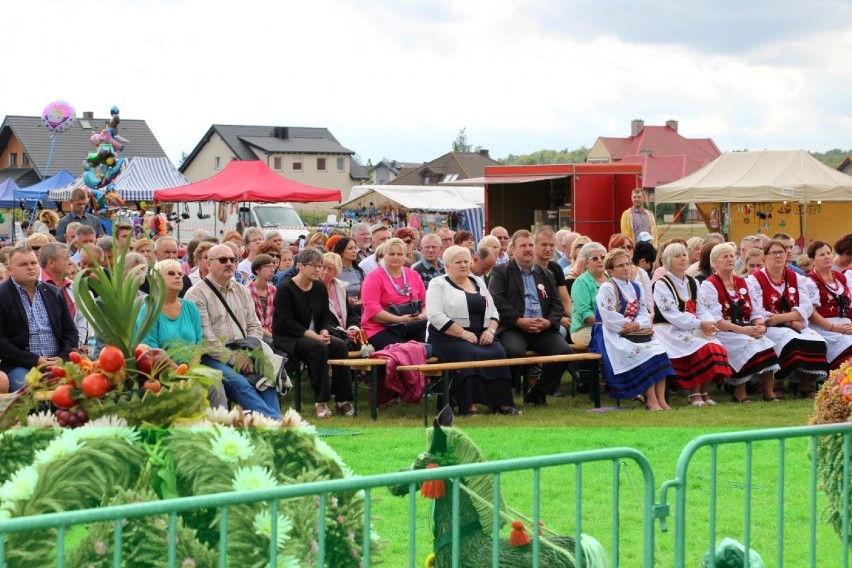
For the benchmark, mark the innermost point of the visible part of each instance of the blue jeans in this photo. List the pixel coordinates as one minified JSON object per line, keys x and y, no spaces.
{"x":17,"y":378}
{"x":240,"y":391}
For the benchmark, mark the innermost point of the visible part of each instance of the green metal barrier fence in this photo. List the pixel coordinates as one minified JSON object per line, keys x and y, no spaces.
{"x":61,"y":522}
{"x":747,"y":441}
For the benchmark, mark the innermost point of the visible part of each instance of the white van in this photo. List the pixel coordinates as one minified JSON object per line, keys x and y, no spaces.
{"x":281,"y":217}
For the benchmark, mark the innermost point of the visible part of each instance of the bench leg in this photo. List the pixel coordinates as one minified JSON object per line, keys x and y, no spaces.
{"x":374,"y":393}
{"x":353,"y":375}
{"x":297,"y":387}
{"x":596,"y":384}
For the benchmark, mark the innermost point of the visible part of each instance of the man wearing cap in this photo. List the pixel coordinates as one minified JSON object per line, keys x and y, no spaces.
{"x":638,"y":219}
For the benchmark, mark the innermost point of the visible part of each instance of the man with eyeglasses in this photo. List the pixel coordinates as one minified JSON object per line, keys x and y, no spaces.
{"x":503,"y":236}
{"x":219,"y":329}
{"x":446,"y":235}
{"x":531,"y":313}
{"x":166,"y":248}
{"x":430,"y":266}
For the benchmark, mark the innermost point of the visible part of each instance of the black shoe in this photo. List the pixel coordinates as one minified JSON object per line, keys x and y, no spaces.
{"x":557,"y":394}
{"x":535,"y":397}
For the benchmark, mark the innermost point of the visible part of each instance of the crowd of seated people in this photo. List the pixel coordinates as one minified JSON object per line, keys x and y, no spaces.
{"x":684,"y":314}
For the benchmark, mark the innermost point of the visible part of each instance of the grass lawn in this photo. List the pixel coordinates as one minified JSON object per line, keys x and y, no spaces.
{"x":566,"y":425}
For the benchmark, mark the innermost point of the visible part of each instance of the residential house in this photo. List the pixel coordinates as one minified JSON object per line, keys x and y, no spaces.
{"x":309,"y":155}
{"x":664,"y":154}
{"x":387,"y":170}
{"x":25,"y":146}
{"x":452,"y":166}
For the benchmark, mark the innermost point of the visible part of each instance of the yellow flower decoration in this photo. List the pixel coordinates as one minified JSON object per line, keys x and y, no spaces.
{"x":430,"y":561}
{"x":33,"y":378}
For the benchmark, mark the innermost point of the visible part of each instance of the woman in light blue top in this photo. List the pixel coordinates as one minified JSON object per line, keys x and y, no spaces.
{"x":178,"y":329}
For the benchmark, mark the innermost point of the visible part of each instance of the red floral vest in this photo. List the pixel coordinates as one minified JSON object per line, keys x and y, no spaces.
{"x":743,"y":299}
{"x":772,"y":300}
{"x":830,"y":304}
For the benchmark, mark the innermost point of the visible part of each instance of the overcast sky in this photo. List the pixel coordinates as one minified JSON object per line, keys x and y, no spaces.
{"x":398,"y":79}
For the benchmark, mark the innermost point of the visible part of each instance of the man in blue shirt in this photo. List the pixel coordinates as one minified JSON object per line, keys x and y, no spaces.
{"x":530,"y":313}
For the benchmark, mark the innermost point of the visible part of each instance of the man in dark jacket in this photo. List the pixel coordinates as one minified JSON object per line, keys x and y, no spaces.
{"x":530,"y":313}
{"x":36,"y":327}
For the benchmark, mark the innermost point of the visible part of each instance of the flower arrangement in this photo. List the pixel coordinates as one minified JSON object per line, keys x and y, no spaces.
{"x":108,"y":462}
{"x":833,"y":405}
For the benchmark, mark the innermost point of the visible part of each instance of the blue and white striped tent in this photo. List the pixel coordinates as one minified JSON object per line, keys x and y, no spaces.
{"x":140,"y":178}
{"x":473,"y":220}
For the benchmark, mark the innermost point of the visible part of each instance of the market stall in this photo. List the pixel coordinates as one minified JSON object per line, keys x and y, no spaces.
{"x":743,"y":193}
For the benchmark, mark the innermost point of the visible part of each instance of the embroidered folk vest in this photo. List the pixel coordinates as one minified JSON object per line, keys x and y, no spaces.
{"x":682,"y":305}
{"x":831,"y":304}
{"x":773,"y":301}
{"x":737,"y":311}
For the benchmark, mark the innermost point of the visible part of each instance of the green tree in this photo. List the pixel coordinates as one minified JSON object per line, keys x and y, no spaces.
{"x":460,"y":144}
{"x":832,"y":158}
{"x":565,"y":156}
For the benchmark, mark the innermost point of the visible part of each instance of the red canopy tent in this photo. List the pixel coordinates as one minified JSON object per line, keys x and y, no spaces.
{"x":247,"y":181}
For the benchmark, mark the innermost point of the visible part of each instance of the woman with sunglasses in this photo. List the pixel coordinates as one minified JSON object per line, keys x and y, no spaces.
{"x":641,"y":277}
{"x":584,"y":292}
{"x":742,"y":330}
{"x":781,"y":294}
{"x":300,"y":327}
{"x":178,"y":328}
{"x":409,"y":237}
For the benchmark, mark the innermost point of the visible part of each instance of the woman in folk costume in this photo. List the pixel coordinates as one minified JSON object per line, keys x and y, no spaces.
{"x":741,"y":329}
{"x":831,"y":295}
{"x":633,"y":361}
{"x":780,"y":294}
{"x":686,"y":330}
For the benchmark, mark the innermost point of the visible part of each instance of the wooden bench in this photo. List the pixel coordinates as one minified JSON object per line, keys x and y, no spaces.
{"x":444,"y":370}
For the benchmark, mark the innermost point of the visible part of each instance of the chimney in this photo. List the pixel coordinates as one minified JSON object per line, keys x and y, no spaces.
{"x":87,"y":114}
{"x":281,"y":132}
{"x":672,"y":124}
{"x":484,"y":152}
{"x":636,"y":126}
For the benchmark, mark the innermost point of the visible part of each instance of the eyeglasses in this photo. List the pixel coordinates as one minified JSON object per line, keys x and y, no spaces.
{"x":314,"y":266}
{"x":172,"y":273}
{"x":226,"y":259}
{"x":595,"y":258}
{"x":447,"y":240}
{"x":777,"y":252}
{"x":275,"y":255}
{"x":502,"y":238}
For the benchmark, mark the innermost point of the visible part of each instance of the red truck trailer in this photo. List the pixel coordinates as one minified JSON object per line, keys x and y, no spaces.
{"x":587,"y":198}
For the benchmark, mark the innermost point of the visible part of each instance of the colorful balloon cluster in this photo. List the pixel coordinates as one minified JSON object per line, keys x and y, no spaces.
{"x":103,"y":166}
{"x":58,"y":116}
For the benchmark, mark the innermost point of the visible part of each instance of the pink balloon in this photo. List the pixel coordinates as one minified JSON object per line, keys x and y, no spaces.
{"x":58,"y":116}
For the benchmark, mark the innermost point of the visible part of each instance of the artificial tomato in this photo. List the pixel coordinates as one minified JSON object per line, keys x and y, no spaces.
{"x":57,"y":372}
{"x":75,"y":357}
{"x":111,"y":359}
{"x":95,"y":385}
{"x":153,"y":385}
{"x":62,"y":397}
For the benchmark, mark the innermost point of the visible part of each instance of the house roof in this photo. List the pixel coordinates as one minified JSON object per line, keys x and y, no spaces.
{"x":73,"y":144}
{"x":241,"y":137}
{"x":357,"y":171}
{"x":23,"y":177}
{"x":396,"y":167}
{"x":664,"y":154}
{"x":462,"y":165}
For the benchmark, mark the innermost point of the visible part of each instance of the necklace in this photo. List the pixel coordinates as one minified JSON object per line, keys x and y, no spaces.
{"x":780,"y":282}
{"x":405,"y":290}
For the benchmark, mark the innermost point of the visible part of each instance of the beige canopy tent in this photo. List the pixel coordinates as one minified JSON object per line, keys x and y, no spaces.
{"x":773,"y":191}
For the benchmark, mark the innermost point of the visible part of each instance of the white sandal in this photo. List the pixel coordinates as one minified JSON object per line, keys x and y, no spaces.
{"x":346,"y":408}
{"x":707,"y":400}
{"x":323,"y":411}
{"x":698,"y":402}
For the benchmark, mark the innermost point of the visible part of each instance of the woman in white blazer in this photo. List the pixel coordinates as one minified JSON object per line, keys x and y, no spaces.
{"x":347,"y":318}
{"x":462,"y":324}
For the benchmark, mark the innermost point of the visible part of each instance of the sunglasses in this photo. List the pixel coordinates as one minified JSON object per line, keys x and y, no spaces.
{"x":629,"y":247}
{"x":172,"y":273}
{"x":35,"y":247}
{"x":596,"y":258}
{"x":226,"y":259}
{"x":275,"y":255}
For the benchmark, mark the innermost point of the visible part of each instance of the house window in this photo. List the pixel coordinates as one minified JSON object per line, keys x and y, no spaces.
{"x":217,"y":163}
{"x":320,"y":164}
{"x":276,"y":164}
{"x":341,"y":165}
{"x":25,"y":160}
{"x":297,"y":164}
{"x":13,"y":160}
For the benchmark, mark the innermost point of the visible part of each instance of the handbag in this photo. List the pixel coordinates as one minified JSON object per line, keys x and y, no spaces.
{"x":407,"y":330}
{"x":638,"y":337}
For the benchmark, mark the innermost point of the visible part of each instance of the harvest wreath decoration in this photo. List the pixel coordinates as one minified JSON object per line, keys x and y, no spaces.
{"x":50,"y":469}
{"x":833,"y":405}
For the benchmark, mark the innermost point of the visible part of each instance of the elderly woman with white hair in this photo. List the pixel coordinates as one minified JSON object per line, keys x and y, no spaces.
{"x":463,"y":322}
{"x":686,"y":329}
{"x":741,"y":326}
{"x":634,"y":363}
{"x":584,"y":292}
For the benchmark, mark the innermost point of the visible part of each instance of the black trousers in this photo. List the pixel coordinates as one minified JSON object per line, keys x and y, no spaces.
{"x":517,"y":342}
{"x":316,"y":354}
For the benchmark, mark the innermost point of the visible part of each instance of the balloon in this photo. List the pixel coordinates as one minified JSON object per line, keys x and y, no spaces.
{"x":58,"y":116}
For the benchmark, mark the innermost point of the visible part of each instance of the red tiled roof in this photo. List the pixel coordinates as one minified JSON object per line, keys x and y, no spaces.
{"x":664,"y":154}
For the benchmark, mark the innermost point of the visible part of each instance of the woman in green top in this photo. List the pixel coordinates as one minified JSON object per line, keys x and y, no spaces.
{"x":178,"y":329}
{"x":584,"y":293}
